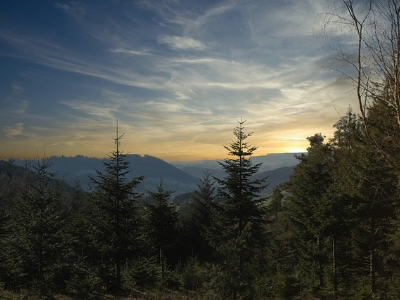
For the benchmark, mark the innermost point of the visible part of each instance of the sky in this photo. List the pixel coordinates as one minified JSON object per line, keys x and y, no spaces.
{"x":178,"y":75}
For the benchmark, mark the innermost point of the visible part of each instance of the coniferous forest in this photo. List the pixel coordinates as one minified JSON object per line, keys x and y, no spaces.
{"x":332,"y":231}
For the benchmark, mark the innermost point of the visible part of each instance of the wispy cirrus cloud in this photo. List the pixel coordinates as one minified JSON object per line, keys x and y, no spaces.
{"x":53,"y":55}
{"x":104,"y":111}
{"x":176,"y":74}
{"x":74,"y":9}
{"x":22,"y":107}
{"x":15,"y":130}
{"x":15,"y":103}
{"x":181,"y":43}
{"x":131,"y":52}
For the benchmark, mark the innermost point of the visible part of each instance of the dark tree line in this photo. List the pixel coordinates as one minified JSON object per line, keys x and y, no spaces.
{"x":330,"y":232}
{"x":114,"y":240}
{"x":338,"y":218}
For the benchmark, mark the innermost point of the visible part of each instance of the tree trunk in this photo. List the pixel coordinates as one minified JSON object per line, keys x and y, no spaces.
{"x":334,"y":265}
{"x":162,"y":262}
{"x":372,"y":259}
{"x":320,"y":265}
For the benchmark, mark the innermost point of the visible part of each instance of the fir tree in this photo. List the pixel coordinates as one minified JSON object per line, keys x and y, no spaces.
{"x":114,"y":220}
{"x":310,"y":211}
{"x":238,"y":229}
{"x":162,"y":224}
{"x":37,"y":229}
{"x":369,"y":184}
{"x":198,"y":219}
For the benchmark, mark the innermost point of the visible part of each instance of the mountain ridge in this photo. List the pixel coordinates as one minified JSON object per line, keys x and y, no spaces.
{"x":82,"y":168}
{"x":179,"y":177}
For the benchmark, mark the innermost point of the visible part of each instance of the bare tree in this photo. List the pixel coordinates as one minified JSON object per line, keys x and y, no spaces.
{"x":375,"y":27}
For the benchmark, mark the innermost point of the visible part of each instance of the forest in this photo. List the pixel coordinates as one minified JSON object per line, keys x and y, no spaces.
{"x":332,"y":231}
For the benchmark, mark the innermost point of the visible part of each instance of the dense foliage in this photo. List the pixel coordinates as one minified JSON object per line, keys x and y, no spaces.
{"x":330,"y":232}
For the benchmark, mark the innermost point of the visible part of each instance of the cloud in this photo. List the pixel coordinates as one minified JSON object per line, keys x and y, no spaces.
{"x":22,"y":107}
{"x":168,"y":106}
{"x":255,"y":59}
{"x":15,"y":104}
{"x":302,"y":84}
{"x":131,"y":52}
{"x":17,"y":89}
{"x":189,"y":20}
{"x":181,"y":43}
{"x":74,"y":9}
{"x":102,"y":110}
{"x":51,"y":54}
{"x":13,"y":131}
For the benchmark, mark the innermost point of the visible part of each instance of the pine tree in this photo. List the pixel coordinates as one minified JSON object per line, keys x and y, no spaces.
{"x":347,"y":145}
{"x":198,"y":218}
{"x":238,"y":229}
{"x":276,"y":199}
{"x":310,"y":211}
{"x":369,"y":186}
{"x":114,"y":220}
{"x":37,"y":229}
{"x":341,"y":203}
{"x":162,"y":225}
{"x":80,"y":249}
{"x":282,"y":257}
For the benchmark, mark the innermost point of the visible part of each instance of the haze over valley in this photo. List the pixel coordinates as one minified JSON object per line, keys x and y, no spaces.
{"x":179,"y":177}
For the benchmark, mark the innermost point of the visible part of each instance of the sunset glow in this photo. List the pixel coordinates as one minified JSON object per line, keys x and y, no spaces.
{"x":176,"y":74}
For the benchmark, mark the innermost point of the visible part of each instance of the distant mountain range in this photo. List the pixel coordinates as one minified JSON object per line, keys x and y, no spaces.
{"x":268,"y":162}
{"x":275,"y":177}
{"x":81,"y":168}
{"x":180,"y":177}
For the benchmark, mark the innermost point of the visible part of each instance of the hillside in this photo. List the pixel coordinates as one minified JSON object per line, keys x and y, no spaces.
{"x":270,"y":161}
{"x":178,"y":177}
{"x":275,"y":177}
{"x":81,"y":168}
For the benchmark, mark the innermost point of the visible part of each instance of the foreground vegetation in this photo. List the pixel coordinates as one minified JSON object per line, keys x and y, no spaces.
{"x":331,"y":231}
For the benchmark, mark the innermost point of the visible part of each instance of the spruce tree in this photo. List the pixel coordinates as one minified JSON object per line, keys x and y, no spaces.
{"x":80,"y":248}
{"x":379,"y":196}
{"x":282,"y":257}
{"x":198,"y":218}
{"x":114,"y":219}
{"x":162,"y":225}
{"x":383,"y":121}
{"x":347,"y":144}
{"x":341,"y":204}
{"x":36,"y":234}
{"x":238,"y":229}
{"x":310,"y":212}
{"x":369,"y":184}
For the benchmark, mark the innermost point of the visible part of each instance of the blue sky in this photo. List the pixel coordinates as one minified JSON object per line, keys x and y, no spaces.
{"x":177,"y":75}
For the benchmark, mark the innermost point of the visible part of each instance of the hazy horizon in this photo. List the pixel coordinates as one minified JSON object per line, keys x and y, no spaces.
{"x":44,"y":156}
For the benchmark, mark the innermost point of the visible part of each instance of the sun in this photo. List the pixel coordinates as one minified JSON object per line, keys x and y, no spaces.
{"x":296,"y":150}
